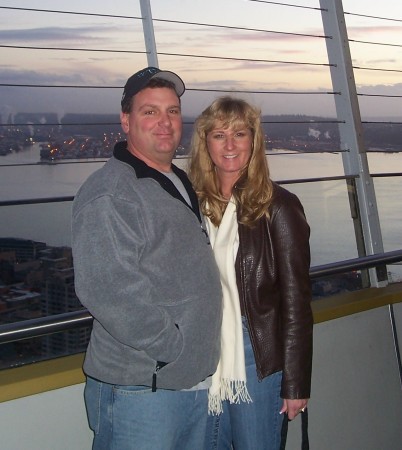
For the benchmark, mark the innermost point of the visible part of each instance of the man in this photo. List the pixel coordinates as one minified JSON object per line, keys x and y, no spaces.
{"x":145,"y":271}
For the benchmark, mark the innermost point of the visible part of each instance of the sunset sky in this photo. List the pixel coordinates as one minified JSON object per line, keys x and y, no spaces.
{"x":40,"y":29}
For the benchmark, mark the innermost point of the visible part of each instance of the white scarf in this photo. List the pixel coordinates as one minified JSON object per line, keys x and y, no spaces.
{"x":229,"y":380}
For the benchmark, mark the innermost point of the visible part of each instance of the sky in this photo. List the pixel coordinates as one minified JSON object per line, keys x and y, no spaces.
{"x":273,"y":48}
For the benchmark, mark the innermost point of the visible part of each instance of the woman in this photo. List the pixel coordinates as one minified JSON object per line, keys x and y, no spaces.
{"x":260,"y":239}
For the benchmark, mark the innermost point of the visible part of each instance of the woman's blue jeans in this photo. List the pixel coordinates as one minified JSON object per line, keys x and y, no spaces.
{"x":249,"y":426}
{"x":134,"y":418}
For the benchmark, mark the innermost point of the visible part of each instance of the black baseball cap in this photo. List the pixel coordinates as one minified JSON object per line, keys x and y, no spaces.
{"x":139,"y":80}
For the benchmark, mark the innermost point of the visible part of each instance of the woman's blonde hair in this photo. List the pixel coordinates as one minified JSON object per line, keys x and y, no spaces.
{"x":253,"y":190}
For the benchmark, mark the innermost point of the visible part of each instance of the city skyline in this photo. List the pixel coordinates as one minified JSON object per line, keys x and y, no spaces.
{"x":123,"y":34}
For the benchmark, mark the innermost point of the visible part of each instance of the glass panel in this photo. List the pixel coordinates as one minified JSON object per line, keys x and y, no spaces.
{"x":44,"y":222}
{"x":28,"y":351}
{"x":285,"y":165}
{"x":30,"y":180}
{"x":389,"y":194}
{"x":327,"y":210}
{"x":113,"y":47}
{"x":263,"y":54}
{"x":37,"y":279}
{"x":385,"y":162}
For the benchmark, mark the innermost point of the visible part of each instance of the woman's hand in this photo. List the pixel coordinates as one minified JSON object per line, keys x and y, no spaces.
{"x":293,"y":407}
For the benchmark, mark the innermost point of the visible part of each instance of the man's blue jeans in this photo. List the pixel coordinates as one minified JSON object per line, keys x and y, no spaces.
{"x":249,"y":426}
{"x":133,"y":417}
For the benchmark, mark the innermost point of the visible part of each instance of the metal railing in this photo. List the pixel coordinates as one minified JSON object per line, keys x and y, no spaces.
{"x":29,"y":329}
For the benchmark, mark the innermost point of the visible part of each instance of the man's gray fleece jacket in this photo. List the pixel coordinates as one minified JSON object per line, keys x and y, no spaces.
{"x":145,"y":271}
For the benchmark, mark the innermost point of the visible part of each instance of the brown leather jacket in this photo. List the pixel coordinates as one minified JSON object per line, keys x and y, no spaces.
{"x":272,"y":270}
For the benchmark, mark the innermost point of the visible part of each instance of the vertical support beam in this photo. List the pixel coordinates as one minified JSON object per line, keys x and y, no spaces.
{"x":149,"y":35}
{"x":351,"y":132}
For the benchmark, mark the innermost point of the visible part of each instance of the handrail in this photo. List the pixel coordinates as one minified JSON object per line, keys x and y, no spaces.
{"x":34,"y":201}
{"x":363,"y":262}
{"x":42,"y":326}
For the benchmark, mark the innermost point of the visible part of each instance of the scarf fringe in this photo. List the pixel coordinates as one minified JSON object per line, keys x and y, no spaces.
{"x":232,"y":390}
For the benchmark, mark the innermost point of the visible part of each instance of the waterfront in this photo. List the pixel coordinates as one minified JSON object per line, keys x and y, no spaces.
{"x":326,"y":203}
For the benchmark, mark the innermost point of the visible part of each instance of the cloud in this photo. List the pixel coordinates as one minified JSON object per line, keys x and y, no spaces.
{"x":264,"y":36}
{"x":381,"y":89}
{"x":90,"y":34}
{"x":92,"y":76}
{"x":382,"y":61}
{"x":194,"y":40}
{"x":51,"y":34}
{"x":362,"y":32}
{"x":19,"y":76}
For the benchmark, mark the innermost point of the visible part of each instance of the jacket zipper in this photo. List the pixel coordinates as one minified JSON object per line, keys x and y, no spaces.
{"x":159,"y":365}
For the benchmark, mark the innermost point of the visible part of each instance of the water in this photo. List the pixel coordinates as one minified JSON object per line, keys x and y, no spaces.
{"x":326,"y":203}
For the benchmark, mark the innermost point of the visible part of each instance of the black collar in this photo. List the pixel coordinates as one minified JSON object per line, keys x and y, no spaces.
{"x":142,"y":170}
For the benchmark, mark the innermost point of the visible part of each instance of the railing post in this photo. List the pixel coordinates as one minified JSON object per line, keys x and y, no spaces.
{"x":149,"y":35}
{"x":351,"y":133}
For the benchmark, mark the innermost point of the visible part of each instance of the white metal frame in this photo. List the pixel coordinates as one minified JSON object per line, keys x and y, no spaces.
{"x":149,"y":35}
{"x":350,"y":129}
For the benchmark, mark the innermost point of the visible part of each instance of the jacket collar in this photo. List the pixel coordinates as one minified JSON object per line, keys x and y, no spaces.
{"x":142,"y":170}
